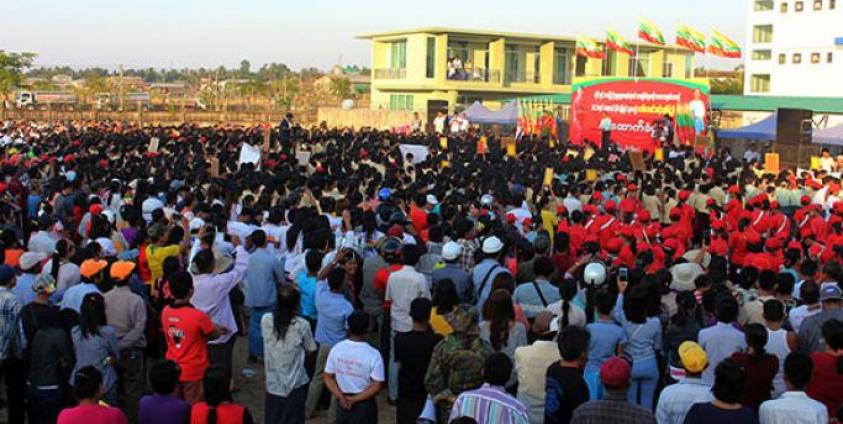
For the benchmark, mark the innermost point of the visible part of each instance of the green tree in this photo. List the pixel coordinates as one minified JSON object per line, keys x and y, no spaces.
{"x":245,"y":69}
{"x":12,"y":67}
{"x":340,"y":86}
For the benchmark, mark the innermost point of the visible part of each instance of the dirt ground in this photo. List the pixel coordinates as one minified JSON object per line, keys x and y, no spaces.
{"x":251,"y":391}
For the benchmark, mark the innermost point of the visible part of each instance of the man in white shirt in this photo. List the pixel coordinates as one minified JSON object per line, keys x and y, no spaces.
{"x":794,"y":406}
{"x":676,"y":399}
{"x":439,"y":123}
{"x":721,"y":340}
{"x":402,"y":287}
{"x":531,"y":363}
{"x":354,"y":373}
{"x":606,"y":128}
{"x":41,"y":241}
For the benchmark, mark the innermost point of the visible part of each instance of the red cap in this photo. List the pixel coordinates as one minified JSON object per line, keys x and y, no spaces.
{"x":620,"y":177}
{"x":395,"y":231}
{"x":2,"y":187}
{"x":675,"y":213}
{"x":68,"y":158}
{"x":805,"y":200}
{"x":814,"y":184}
{"x":775,"y":205}
{"x":597,"y":196}
{"x":510,"y":218}
{"x":773,"y":244}
{"x":794,"y":245}
{"x":684,"y":195}
{"x":614,"y":245}
{"x":644,"y":216}
{"x":815,"y":250}
{"x":591,"y":238}
{"x":103,"y":163}
{"x":627,"y":232}
{"x":615,"y":372}
{"x":745,"y":214}
{"x":734,"y":190}
{"x":753,"y":238}
{"x":709,"y":171}
{"x":95,"y":209}
{"x":834,"y":219}
{"x":710,"y":202}
{"x":589,"y":209}
{"x":561,"y":210}
{"x":627,"y":206}
{"x":632,"y":187}
{"x":283,"y":157}
{"x":527,"y":221}
{"x":834,"y":188}
{"x":718,"y":225}
{"x":363,"y":154}
{"x":610,"y":206}
{"x":672,"y":244}
{"x":76,"y":143}
{"x":837,"y":207}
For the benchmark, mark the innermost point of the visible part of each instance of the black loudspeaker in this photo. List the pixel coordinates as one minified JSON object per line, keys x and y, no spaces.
{"x":793,"y":126}
{"x":794,"y":136}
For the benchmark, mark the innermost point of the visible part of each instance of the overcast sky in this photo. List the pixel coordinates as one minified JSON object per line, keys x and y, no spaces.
{"x":303,"y":33}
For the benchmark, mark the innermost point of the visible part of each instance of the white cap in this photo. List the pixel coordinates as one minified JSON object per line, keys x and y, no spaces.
{"x":487,"y":199}
{"x":451,"y":250}
{"x":196,"y":223}
{"x":492,"y":245}
{"x":594,"y":274}
{"x":30,"y":259}
{"x":432,"y":199}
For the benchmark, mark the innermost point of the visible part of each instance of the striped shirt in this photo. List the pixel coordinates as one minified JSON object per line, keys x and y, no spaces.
{"x":489,"y":404}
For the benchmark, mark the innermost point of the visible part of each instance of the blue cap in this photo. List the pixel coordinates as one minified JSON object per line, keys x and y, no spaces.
{"x":6,"y":274}
{"x":384,"y":193}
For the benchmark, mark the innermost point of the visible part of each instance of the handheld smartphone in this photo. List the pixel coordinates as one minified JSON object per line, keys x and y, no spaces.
{"x":623,"y":274}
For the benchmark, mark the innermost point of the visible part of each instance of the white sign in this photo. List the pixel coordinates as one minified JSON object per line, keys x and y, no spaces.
{"x":153,"y":145}
{"x":249,"y":154}
{"x":420,"y":153}
{"x":303,"y":158}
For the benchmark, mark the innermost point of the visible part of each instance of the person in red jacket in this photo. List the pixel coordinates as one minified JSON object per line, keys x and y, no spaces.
{"x":218,"y":407}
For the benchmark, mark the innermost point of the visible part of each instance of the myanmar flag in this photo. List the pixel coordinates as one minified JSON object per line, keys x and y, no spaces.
{"x":649,"y":32}
{"x":588,"y":47}
{"x":690,"y":38}
{"x":723,"y":46}
{"x":616,"y":42}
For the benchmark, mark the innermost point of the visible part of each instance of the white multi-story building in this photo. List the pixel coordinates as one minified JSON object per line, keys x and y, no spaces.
{"x":794,"y":48}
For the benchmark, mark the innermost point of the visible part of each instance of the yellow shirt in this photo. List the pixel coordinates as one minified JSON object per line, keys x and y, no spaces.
{"x":439,"y":324}
{"x":155,"y":259}
{"x":549,"y":222}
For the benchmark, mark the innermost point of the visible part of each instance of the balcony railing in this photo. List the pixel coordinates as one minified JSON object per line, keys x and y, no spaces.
{"x":475,"y":75}
{"x":391,"y":73}
{"x":523,"y":77}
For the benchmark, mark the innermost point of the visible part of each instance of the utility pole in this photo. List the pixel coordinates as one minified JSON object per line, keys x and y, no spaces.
{"x":120,"y":89}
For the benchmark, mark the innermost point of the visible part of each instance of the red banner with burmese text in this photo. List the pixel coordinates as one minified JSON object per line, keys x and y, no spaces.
{"x":635,"y":106}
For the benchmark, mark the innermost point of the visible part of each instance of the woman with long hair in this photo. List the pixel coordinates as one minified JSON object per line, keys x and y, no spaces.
{"x":827,"y":384}
{"x":760,"y":367}
{"x":88,"y":390}
{"x":644,"y":334}
{"x":64,"y":271}
{"x":445,"y":299}
{"x":683,"y":326}
{"x":287,"y":339}
{"x":500,"y":328}
{"x":218,"y":406}
{"x":95,"y":344}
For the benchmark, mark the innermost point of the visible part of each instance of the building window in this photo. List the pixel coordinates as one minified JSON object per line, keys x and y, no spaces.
{"x":400,"y":102}
{"x":797,"y":58}
{"x":763,"y":5}
{"x":689,"y":66}
{"x":760,"y":84}
{"x":562,"y":66}
{"x":430,"y":60}
{"x":782,"y":58}
{"x":762,"y":34}
{"x":830,"y":57}
{"x":667,"y":70}
{"x":640,"y":66}
{"x":762,"y":54}
{"x":580,"y":65}
{"x":610,"y":64}
{"x":818,"y":4}
{"x":398,"y":55}
{"x":799,"y":6}
{"x":815,"y":58}
{"x":783,"y":7}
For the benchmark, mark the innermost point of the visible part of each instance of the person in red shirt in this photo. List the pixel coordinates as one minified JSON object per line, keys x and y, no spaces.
{"x":826,"y":385}
{"x":689,"y":215}
{"x":818,"y":225}
{"x":218,"y":402}
{"x":779,"y":222}
{"x":679,"y":228}
{"x":391,"y":252}
{"x":187,"y":330}
{"x":418,"y":214}
{"x":87,"y":388}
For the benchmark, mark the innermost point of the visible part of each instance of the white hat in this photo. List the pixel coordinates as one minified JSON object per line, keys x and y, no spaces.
{"x":109,"y":215}
{"x":29,"y":259}
{"x":196,"y":223}
{"x":451,"y":250}
{"x":432,"y":199}
{"x":594,"y":274}
{"x":486,"y":199}
{"x":691,"y":255}
{"x":554,"y":324}
{"x":492,"y":245}
{"x":683,"y":276}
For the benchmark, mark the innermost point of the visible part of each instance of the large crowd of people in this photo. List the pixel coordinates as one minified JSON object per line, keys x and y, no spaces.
{"x":551,"y":283}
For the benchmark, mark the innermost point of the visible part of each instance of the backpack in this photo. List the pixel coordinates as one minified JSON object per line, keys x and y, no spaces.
{"x":466,"y":367}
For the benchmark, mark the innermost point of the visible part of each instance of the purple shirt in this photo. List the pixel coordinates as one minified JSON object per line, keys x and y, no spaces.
{"x":161,"y":409}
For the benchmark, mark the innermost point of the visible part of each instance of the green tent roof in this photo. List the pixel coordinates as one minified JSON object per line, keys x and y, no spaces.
{"x":743,"y":103}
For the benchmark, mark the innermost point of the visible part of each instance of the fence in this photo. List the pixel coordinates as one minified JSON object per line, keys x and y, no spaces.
{"x":198,"y":117}
{"x":363,"y":117}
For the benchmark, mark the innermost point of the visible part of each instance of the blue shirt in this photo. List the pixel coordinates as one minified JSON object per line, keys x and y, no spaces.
{"x":32,"y":202}
{"x":262,"y":274}
{"x":605,"y":337}
{"x":73,"y":296}
{"x":644,"y":339}
{"x":480,"y":271}
{"x":528,"y":297}
{"x":460,"y":278}
{"x":332,"y":311}
{"x":23,"y":289}
{"x":307,"y":287}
